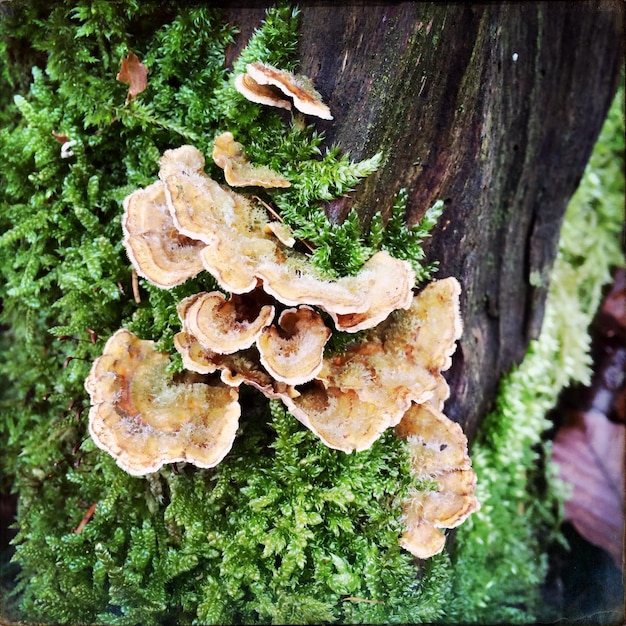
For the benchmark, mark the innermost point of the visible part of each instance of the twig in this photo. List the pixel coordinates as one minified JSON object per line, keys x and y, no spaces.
{"x":86,"y":517}
{"x":135,"y":282}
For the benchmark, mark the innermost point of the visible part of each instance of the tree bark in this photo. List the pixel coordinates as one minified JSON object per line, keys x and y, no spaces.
{"x":492,"y":108}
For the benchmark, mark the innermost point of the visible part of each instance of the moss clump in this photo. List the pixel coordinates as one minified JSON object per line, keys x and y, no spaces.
{"x":280,"y":538}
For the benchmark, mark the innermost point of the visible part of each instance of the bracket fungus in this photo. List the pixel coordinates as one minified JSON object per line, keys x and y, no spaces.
{"x":265,"y":84}
{"x":157,"y":250}
{"x":389,"y":376}
{"x":293,"y":352}
{"x":282,"y":232}
{"x":238,"y":171}
{"x":198,"y":205}
{"x":227,"y":222}
{"x":225,"y":325}
{"x":299,"y":283}
{"x":368,"y":387}
{"x":339,"y":417}
{"x":390,"y":284}
{"x":144,"y":418}
{"x":240,"y":367}
{"x":400,"y":361}
{"x":439,"y":460}
{"x":261,"y":94}
{"x":242,"y":249}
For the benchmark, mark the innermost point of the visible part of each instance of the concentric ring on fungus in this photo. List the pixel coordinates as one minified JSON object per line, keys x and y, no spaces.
{"x":144,"y":418}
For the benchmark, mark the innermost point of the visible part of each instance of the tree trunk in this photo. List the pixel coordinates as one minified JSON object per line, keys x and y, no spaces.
{"x":492,"y":108}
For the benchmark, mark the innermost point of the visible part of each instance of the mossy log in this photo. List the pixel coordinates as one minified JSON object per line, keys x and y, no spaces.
{"x":492,"y":108}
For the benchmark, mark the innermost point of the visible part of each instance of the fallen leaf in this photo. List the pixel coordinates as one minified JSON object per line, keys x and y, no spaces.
{"x":613,"y":309}
{"x":134,"y":73}
{"x":589,"y":450}
{"x":60,"y":137}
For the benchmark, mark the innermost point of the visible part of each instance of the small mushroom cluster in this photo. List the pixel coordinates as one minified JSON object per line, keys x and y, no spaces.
{"x":267,"y":329}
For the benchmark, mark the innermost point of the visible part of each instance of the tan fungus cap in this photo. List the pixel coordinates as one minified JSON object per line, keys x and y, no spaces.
{"x":242,"y":367}
{"x":263,"y":83}
{"x":439,"y":460}
{"x":338,"y":417}
{"x":144,"y":418}
{"x":224,"y":325}
{"x":400,"y":361}
{"x":155,"y":247}
{"x":261,"y":94}
{"x":293,"y":352}
{"x":238,"y":171}
{"x":242,"y":250}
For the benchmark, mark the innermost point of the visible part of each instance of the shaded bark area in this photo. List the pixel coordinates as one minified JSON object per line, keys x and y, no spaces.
{"x":493,"y":108}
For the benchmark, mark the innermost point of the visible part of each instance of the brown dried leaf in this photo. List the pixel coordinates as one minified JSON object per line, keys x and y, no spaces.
{"x":134,"y":73}
{"x":589,"y":450}
{"x":613,"y":309}
{"x":60,"y":137}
